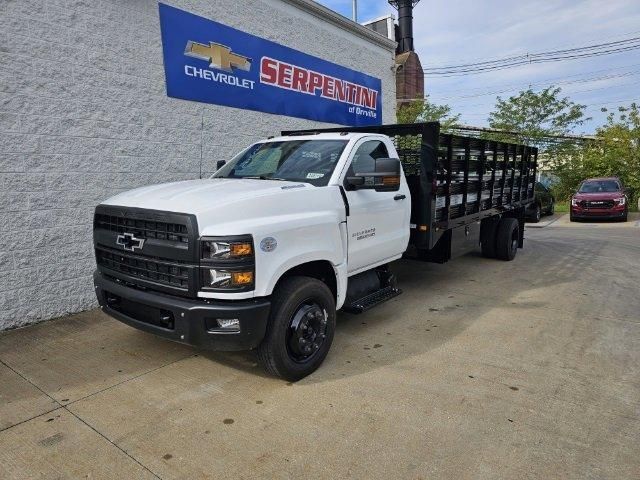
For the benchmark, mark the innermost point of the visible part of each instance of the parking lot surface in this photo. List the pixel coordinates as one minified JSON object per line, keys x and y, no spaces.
{"x":481,"y":369}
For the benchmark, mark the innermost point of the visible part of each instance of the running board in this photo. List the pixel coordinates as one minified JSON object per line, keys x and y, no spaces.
{"x":369,"y":301}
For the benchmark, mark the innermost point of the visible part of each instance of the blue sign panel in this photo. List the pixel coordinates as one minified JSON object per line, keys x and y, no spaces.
{"x":206,"y":61}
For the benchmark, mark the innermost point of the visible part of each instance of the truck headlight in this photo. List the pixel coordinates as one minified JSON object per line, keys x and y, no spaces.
{"x":227,"y":264}
{"x":220,"y":278}
{"x":215,"y":249}
{"x":574,"y":202}
{"x":621,"y":200}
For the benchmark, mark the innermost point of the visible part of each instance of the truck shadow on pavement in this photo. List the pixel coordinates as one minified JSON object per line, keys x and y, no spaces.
{"x":440,"y":302}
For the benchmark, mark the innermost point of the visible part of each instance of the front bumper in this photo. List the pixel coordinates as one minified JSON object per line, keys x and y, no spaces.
{"x":605,"y":214}
{"x":183,"y":320}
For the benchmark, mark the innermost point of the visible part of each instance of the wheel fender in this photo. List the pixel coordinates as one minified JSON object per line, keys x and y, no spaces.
{"x":340,"y":271}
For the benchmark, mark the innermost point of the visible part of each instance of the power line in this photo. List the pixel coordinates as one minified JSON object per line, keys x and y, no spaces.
{"x":619,"y":102}
{"x":525,"y":59}
{"x":588,"y":51}
{"x":548,"y":82}
{"x":597,"y":39}
{"x":560,"y":80}
{"x":484,"y":102}
{"x":527,"y":56}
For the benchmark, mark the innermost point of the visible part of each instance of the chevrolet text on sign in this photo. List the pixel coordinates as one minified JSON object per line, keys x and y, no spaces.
{"x":206,"y":61}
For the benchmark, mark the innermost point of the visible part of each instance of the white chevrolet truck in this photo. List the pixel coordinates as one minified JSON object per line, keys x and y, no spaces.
{"x":265,"y":252}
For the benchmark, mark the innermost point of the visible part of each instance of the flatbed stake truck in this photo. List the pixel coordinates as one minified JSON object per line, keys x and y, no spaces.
{"x":265,"y":252}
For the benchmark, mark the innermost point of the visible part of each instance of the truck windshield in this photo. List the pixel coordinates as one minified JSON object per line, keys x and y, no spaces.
{"x":310,"y":161}
{"x":596,"y":186}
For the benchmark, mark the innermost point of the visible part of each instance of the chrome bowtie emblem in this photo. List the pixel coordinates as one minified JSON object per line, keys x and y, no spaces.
{"x":129,"y":242}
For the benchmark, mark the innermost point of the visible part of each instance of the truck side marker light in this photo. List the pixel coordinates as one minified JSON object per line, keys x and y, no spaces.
{"x":391,"y":180}
{"x":268,"y":244}
{"x":423,"y":228}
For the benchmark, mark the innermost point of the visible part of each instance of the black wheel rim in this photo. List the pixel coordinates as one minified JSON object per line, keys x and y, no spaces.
{"x":514,"y":241}
{"x":306,"y":332}
{"x":538,"y":214}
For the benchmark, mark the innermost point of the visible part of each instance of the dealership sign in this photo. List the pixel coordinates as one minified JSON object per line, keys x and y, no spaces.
{"x":206,"y":61}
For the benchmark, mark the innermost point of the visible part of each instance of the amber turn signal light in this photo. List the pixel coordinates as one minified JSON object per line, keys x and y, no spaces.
{"x":241,"y":278}
{"x":241,"y":249}
{"x":391,"y":180}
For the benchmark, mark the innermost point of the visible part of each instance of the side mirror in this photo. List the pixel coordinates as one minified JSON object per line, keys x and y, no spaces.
{"x":220,"y":164}
{"x":384,"y":178}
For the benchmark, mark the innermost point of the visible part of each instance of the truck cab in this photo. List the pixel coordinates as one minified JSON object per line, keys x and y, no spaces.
{"x":199,"y":261}
{"x":262,"y":254}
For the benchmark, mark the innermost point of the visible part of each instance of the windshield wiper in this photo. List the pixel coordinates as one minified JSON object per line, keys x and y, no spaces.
{"x":264,"y":177}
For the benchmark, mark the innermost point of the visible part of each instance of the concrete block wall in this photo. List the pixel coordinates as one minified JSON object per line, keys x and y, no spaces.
{"x":84,"y":115}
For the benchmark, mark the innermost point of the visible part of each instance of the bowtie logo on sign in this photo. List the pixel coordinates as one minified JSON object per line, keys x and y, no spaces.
{"x":219,"y":56}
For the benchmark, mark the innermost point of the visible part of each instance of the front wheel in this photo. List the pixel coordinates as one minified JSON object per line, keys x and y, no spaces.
{"x":301,"y":327}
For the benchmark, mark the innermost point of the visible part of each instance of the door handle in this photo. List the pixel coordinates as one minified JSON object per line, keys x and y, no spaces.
{"x":399,"y":197}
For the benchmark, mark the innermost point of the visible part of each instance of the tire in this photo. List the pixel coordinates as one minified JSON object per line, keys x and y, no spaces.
{"x":571,"y":217}
{"x":298,"y":302}
{"x":552,"y":209}
{"x":488,"y":229}
{"x":507,"y":238}
{"x":625,"y":217}
{"x":537,"y":214}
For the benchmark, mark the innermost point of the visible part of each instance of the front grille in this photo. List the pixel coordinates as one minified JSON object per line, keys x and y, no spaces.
{"x":143,"y":228}
{"x":145,"y":268}
{"x":599,"y":204}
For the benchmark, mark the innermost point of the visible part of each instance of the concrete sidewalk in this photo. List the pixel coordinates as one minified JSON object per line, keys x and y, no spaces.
{"x":545,"y":221}
{"x":562,"y":219}
{"x":481,"y":369}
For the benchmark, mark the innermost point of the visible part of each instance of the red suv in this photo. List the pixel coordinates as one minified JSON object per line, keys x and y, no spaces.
{"x":600,"y":198}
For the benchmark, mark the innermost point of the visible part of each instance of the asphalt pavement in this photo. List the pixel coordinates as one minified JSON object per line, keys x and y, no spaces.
{"x":481,"y":369}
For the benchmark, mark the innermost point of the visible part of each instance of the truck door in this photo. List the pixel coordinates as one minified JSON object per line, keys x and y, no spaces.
{"x":378,"y":222}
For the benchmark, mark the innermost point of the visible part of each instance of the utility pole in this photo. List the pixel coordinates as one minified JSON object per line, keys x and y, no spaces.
{"x":355,"y":10}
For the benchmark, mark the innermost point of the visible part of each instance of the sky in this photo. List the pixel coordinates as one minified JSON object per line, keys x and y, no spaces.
{"x":451,"y":32}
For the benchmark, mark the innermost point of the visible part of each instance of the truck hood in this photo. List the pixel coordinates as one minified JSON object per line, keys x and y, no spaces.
{"x":225,"y":206}
{"x":197,"y":196}
{"x":598,"y":196}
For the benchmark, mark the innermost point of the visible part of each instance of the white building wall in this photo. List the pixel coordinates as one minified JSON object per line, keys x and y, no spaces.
{"x":84,"y":115}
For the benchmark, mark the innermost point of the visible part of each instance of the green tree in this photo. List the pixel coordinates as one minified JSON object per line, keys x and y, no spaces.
{"x":426,"y":111}
{"x":535,"y":116}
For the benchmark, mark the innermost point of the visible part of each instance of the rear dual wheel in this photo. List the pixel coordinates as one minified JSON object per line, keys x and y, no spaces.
{"x":507,"y":239}
{"x":488,"y":229}
{"x":499,"y":238}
